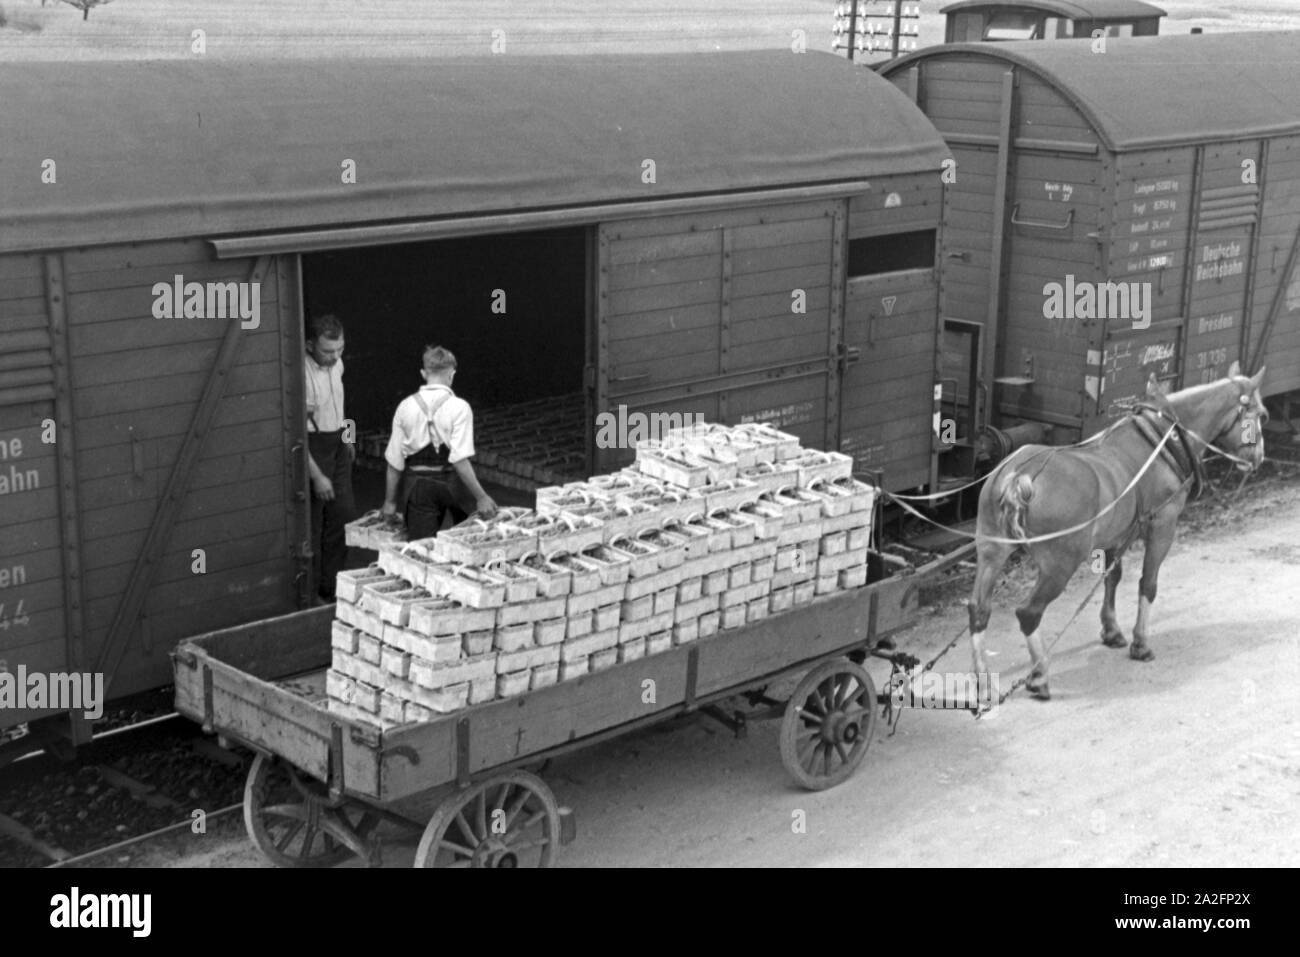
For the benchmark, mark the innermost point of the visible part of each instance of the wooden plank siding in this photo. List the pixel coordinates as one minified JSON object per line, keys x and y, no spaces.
{"x":32,"y":613}
{"x":135,"y":381}
{"x":888,"y":394}
{"x":685,"y":301}
{"x":1278,"y":231}
{"x":689,"y":302}
{"x":1219,"y":260}
{"x":1056,"y":203}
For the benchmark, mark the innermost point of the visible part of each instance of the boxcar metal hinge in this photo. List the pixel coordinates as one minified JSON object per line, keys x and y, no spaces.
{"x":297,"y":461}
{"x":137,"y":453}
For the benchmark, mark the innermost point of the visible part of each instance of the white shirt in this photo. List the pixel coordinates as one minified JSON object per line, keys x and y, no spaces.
{"x":453,"y":426}
{"x":324,"y":389}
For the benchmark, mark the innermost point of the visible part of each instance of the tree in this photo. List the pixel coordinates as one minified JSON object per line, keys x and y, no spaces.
{"x":83,"y":5}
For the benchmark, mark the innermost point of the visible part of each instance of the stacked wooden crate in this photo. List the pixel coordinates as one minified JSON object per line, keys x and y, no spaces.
{"x":712,"y":528}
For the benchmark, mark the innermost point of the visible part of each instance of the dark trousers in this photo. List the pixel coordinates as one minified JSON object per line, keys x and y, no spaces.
{"x":430,"y":499}
{"x":328,"y":545}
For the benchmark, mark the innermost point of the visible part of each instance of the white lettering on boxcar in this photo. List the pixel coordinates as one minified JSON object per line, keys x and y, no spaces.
{"x":1224,"y":320}
{"x":1146,"y":187}
{"x":15,"y":479}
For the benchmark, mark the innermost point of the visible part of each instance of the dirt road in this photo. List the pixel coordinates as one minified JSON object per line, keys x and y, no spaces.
{"x":1193,"y":759}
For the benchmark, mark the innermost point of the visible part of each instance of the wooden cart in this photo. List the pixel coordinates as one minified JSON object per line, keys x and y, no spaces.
{"x":321,"y":783}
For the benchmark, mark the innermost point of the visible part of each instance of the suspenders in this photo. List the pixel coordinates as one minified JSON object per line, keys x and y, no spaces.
{"x":429,"y":412}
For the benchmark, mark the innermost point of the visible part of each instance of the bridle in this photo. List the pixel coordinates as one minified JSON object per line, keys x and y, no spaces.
{"x":1248,"y":421}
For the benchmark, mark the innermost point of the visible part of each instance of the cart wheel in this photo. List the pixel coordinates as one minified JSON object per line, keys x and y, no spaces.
{"x":507,"y":821}
{"x":289,"y":818}
{"x":828,"y":724}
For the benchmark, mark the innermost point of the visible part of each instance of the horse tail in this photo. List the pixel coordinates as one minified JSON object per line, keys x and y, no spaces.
{"x":1014,"y":496}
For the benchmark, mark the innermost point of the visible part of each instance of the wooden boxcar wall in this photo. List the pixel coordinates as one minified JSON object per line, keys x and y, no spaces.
{"x":740,"y":315}
{"x":1213,"y":228}
{"x":1055,"y":196}
{"x":695,"y":317}
{"x":892,"y":329}
{"x":1210,"y":232}
{"x":1274,"y":329}
{"x":1020,"y":129}
{"x":82,"y":321}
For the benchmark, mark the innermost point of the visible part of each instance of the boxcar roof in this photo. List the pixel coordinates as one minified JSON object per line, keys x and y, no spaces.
{"x":168,"y":148}
{"x":1160,"y":91}
{"x":1082,"y":10}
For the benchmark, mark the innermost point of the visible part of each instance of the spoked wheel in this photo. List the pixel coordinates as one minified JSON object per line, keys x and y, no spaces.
{"x":289,"y":818}
{"x":828,"y":724}
{"x":507,"y":821}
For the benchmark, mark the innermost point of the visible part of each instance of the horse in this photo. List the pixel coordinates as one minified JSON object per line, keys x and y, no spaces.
{"x":1063,"y":504}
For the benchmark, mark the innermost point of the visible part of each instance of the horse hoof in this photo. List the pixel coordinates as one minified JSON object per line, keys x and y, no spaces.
{"x":1114,"y":639}
{"x":1141,"y":653}
{"x":1039,"y":691}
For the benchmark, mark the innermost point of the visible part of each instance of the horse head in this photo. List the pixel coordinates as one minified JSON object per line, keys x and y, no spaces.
{"x":1228,"y":414}
{"x":1246,"y":425}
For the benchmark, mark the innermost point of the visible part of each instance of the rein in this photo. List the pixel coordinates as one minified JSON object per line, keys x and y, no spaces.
{"x":1155,"y":453}
{"x":1209,"y":446}
{"x":1194,"y":467}
{"x":900,"y":498}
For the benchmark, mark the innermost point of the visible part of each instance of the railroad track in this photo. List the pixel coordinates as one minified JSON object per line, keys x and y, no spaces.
{"x":127,"y":786}
{"x":146,"y":764}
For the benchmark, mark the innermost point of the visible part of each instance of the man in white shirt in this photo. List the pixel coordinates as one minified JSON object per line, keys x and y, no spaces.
{"x":431,"y":444}
{"x":330,"y":459}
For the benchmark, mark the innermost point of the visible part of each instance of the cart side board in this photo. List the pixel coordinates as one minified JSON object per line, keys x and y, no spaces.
{"x":225,"y":679}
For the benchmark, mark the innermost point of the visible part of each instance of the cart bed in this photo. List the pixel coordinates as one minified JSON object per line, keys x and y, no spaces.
{"x":261,"y":684}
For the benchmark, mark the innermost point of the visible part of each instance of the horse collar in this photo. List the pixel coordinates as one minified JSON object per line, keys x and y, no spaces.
{"x":1188,"y":463}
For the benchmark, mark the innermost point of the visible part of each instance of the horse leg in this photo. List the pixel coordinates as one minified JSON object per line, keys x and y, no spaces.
{"x":1159,"y":539}
{"x":1111,"y":636}
{"x":1054,"y":571}
{"x":990,"y":557}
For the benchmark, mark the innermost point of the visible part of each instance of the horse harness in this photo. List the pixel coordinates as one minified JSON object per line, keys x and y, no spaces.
{"x":1179,"y":455}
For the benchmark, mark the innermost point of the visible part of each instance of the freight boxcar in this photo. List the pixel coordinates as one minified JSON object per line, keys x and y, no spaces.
{"x":970,"y":21}
{"x":734,"y":236}
{"x":1162,"y":170}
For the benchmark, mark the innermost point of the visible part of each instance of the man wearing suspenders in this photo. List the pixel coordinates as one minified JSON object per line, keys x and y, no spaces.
{"x":431,"y":444}
{"x":330,"y":456}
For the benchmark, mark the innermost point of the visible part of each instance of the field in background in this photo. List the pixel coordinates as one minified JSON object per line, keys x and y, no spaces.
{"x":140,"y":29}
